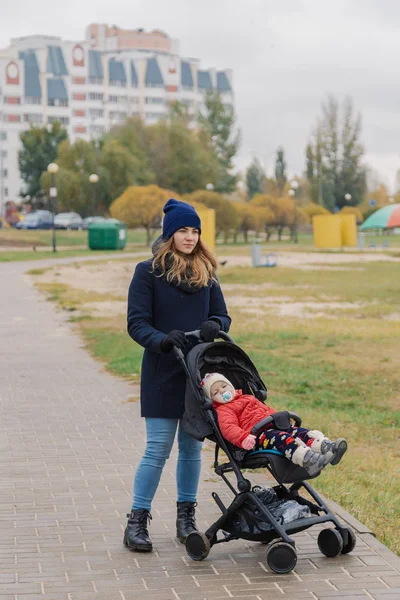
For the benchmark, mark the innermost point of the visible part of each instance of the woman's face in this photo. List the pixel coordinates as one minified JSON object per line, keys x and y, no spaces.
{"x":185,"y":239}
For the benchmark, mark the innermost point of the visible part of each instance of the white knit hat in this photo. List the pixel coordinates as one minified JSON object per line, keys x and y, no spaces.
{"x":210,"y":378}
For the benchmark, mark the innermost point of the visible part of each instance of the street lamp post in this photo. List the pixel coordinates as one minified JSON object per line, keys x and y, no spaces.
{"x":93,"y":178}
{"x":292,"y":192}
{"x":210,"y":187}
{"x":347,"y":197}
{"x":53,"y":169}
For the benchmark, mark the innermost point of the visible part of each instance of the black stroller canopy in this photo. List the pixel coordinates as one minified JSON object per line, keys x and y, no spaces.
{"x":218,"y":357}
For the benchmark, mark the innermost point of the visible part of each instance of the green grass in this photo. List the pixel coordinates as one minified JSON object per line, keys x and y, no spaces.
{"x":23,"y":255}
{"x":342,"y":374}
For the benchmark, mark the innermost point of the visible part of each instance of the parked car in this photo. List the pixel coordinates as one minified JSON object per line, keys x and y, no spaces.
{"x":38,"y":219}
{"x":89,"y":220}
{"x":68,"y":220}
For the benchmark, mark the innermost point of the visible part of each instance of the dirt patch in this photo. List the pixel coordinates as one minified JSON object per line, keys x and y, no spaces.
{"x":110,"y":309}
{"x":314,"y":260}
{"x":111,"y":277}
{"x":284,"y":306}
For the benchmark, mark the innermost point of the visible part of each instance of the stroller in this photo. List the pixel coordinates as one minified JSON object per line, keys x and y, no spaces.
{"x":249,"y":516}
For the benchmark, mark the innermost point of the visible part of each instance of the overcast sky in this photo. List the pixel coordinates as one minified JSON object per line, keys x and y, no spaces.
{"x":286,"y":56}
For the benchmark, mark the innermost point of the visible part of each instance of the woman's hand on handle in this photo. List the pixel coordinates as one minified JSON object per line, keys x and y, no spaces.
{"x":209,"y":330}
{"x":174,"y":338}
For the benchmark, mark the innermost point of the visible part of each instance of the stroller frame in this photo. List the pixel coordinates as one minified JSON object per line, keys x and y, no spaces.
{"x":281,"y":552}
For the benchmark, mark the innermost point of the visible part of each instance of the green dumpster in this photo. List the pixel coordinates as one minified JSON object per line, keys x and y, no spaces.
{"x":107,"y":235}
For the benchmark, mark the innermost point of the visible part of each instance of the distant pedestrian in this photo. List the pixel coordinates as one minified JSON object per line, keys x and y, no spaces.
{"x":174,"y":292}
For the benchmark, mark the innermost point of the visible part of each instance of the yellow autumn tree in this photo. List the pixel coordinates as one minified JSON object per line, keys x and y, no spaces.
{"x":313,"y":210}
{"x":141,"y":206}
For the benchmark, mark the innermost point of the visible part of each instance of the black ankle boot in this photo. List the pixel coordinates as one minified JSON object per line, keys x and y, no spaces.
{"x":185,"y":520}
{"x":136,"y":535}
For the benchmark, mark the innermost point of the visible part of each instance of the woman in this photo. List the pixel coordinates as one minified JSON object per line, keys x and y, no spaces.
{"x":174,"y":292}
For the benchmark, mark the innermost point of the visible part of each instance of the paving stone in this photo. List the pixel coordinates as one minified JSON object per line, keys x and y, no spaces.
{"x":69,"y":446}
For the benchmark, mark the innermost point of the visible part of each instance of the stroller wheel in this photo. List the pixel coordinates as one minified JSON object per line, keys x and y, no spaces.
{"x":281,"y":557}
{"x":349,"y":539}
{"x":330,"y":542}
{"x":197,"y":545}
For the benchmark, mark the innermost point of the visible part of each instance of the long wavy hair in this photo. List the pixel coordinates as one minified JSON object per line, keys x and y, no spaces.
{"x":195,"y":269}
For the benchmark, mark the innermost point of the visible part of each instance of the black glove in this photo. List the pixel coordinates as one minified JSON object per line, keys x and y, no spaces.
{"x":209,"y":330}
{"x":174,"y":338}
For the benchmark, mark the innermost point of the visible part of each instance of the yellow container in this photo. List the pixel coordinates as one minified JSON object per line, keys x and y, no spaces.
{"x":349,"y":230}
{"x":327,"y":231}
{"x":207,"y":216}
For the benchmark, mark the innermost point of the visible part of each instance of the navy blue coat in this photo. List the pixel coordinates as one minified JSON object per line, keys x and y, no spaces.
{"x":155,"y":307}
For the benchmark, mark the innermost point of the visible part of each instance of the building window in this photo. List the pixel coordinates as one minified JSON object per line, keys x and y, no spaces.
{"x":118,"y":115}
{"x":135,"y":100}
{"x":153,"y":115}
{"x":97,"y":129}
{"x":187,"y":88}
{"x":78,"y":80}
{"x":96,"y":112}
{"x":5,"y":173}
{"x":57,"y":102}
{"x":96,"y":80}
{"x":117,"y":83}
{"x":3,"y":135}
{"x":5,"y":191}
{"x":79,"y":112}
{"x":33,"y":118}
{"x":3,"y":154}
{"x":32,"y":100}
{"x":96,"y":96}
{"x":154,"y":85}
{"x":117,"y":99}
{"x":79,"y":97}
{"x":150,"y":100}
{"x":62,"y":120}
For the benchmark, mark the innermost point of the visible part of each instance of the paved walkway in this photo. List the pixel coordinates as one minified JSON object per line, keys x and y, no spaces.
{"x":69,"y":445}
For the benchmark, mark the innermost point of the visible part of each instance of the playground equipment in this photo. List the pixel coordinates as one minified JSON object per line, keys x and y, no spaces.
{"x":335,"y":231}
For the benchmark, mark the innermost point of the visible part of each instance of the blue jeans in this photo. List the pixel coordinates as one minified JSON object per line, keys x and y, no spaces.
{"x":160,"y":438}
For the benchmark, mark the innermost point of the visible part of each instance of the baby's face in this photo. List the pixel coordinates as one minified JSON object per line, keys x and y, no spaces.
{"x":222,"y":392}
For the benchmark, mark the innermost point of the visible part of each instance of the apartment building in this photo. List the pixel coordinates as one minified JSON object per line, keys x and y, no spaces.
{"x":94,"y":84}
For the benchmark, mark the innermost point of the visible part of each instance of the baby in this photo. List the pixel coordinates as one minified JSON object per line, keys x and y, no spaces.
{"x":238,"y":413}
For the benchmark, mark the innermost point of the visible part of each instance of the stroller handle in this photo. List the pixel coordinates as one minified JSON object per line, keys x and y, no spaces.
{"x":221,"y":334}
{"x":196,"y":333}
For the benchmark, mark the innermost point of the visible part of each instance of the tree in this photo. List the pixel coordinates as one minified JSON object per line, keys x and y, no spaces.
{"x":218,"y":124}
{"x":226,"y":217}
{"x":334,"y":156}
{"x":179,"y":157}
{"x":280,"y":170}
{"x":39,"y":149}
{"x":141,"y":206}
{"x":313,"y":210}
{"x":255,"y":178}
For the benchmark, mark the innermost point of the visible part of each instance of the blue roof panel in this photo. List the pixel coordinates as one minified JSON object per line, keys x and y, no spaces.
{"x":186,"y":74}
{"x":223,"y":84}
{"x":95,"y":65}
{"x":32,"y":87}
{"x":153,"y":73}
{"x":116,"y":70}
{"x":55,"y":61}
{"x":56,"y":90}
{"x":134,"y":77}
{"x":204,"y":80}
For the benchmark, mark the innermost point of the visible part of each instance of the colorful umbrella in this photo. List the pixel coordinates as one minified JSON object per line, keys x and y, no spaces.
{"x":388,"y":216}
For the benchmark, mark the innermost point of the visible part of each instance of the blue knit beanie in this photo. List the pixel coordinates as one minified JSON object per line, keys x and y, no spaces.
{"x":178,"y":214}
